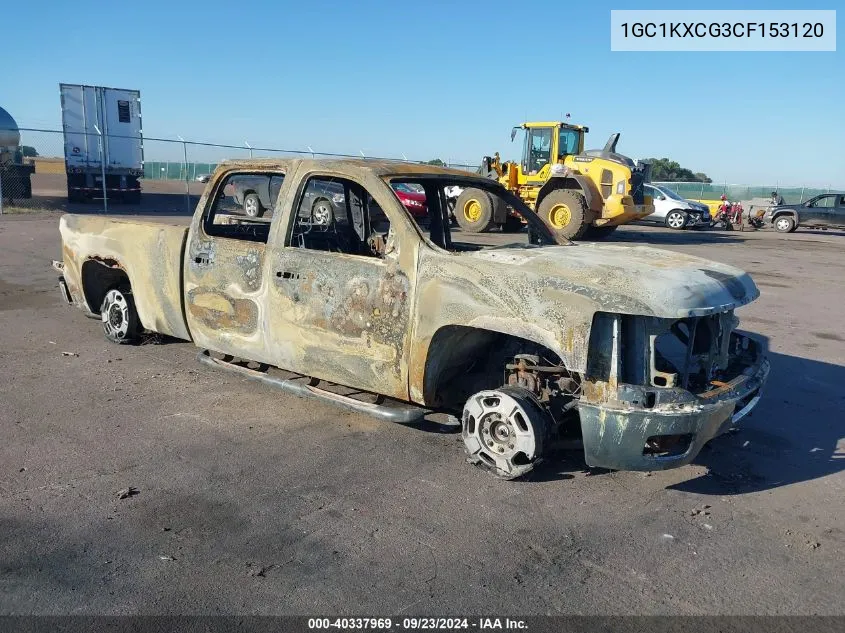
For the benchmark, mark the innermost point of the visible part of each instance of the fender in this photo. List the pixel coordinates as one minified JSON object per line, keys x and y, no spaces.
{"x":432,"y":358}
{"x":577,"y":182}
{"x":781,"y":212}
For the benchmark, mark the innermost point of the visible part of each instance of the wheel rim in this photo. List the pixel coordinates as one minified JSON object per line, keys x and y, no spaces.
{"x":249,"y":206}
{"x":560,"y":216}
{"x":115,"y":315}
{"x":782,"y":224}
{"x":321,"y":214}
{"x":676,"y":220}
{"x":472,"y":210}
{"x":496,"y":428}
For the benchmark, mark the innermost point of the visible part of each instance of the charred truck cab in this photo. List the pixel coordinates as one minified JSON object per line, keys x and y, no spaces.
{"x":634,"y":350}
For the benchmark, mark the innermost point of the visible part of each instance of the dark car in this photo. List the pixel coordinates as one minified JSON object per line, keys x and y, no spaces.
{"x":256,"y":193}
{"x":822,"y":212}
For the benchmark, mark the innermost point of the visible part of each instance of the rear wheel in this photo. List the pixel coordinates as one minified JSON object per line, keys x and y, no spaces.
{"x":565,"y":212}
{"x":676,"y":219}
{"x":505,"y":431}
{"x":322,"y":212}
{"x":119,"y":316}
{"x":252,"y":206}
{"x":784,"y":224}
{"x":474,"y":210}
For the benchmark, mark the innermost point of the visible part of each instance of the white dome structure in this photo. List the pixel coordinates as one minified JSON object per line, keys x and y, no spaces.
{"x":9,"y":134}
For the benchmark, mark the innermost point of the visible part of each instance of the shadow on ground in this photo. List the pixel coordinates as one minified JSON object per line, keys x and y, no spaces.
{"x":677,"y":237}
{"x":797,"y":433}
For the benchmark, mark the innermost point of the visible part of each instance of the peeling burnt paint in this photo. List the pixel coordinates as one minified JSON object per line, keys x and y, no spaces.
{"x":219,"y":311}
{"x":369,"y":322}
{"x":250,"y":265}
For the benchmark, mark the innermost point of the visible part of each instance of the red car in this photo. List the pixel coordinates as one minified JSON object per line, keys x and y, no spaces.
{"x":413,"y":200}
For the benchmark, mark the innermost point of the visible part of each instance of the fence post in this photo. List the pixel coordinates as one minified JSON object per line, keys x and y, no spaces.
{"x":802,"y":196}
{"x":1,"y":192}
{"x":187,"y":182}
{"x":103,"y":169}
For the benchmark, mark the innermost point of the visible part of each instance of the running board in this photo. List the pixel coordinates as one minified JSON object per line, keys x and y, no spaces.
{"x":399,"y":412}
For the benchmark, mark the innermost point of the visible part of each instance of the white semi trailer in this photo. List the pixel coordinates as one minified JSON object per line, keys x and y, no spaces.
{"x":103,"y":142}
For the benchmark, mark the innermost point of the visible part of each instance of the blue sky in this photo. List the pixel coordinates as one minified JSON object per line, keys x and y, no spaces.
{"x":431,"y":79}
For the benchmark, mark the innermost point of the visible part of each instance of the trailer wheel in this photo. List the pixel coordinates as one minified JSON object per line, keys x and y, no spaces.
{"x":120,"y":317}
{"x":474,"y":210}
{"x":505,"y":431}
{"x":565,"y":212}
{"x":252,"y":205}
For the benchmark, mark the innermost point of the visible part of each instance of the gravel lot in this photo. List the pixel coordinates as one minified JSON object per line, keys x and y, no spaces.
{"x":254,"y":502}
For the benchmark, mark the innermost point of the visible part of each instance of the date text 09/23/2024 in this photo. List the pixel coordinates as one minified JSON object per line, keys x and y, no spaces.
{"x":413,"y":624}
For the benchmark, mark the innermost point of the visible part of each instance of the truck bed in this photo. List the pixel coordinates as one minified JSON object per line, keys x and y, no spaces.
{"x":149,"y":253}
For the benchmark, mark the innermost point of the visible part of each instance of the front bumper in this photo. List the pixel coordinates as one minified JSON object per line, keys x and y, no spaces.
{"x":698,"y":217}
{"x":623,"y":437}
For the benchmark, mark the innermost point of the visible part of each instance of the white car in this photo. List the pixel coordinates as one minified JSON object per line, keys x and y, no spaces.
{"x":674,"y":211}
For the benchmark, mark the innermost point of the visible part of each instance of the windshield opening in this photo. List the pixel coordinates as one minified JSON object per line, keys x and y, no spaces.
{"x":470,"y":214}
{"x":668,"y":193}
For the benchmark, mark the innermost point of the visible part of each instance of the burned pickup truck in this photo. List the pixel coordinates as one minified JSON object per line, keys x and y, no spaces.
{"x":633,"y":349}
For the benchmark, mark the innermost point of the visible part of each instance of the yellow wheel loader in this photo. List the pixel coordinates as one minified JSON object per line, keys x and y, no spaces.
{"x":576,"y":193}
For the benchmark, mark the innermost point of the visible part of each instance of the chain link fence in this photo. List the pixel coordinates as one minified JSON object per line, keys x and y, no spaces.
{"x":714,"y":191}
{"x":34,"y":177}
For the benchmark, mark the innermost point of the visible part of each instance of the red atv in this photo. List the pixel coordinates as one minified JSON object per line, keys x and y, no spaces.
{"x":728,"y":216}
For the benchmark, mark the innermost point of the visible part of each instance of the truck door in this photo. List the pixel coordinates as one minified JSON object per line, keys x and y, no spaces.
{"x":819,"y":212}
{"x":339,"y":300}
{"x":225,"y":280}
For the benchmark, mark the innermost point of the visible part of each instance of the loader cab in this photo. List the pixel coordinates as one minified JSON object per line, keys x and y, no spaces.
{"x":545,"y":144}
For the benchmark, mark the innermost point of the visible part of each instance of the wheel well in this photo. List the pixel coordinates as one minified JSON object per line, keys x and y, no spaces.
{"x":98,"y":277}
{"x":553,"y":184}
{"x":788,"y":212}
{"x":464,"y":360}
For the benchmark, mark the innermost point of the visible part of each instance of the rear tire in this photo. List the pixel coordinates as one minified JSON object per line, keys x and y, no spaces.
{"x":252,"y":205}
{"x":120,"y":318}
{"x":565,"y":212}
{"x":474,"y":210}
{"x":676,"y":220}
{"x":322,"y":212}
{"x":784,"y":224}
{"x":505,"y":431}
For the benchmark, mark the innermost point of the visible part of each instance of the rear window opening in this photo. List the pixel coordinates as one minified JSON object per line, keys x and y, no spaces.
{"x":667,"y":445}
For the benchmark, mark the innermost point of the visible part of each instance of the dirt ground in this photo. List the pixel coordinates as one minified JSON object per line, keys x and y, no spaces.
{"x":250,"y":501}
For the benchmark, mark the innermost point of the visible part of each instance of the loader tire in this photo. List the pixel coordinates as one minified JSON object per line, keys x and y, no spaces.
{"x":474,"y":211}
{"x":565,"y":212}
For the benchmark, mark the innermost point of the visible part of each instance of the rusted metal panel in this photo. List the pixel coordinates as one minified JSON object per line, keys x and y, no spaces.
{"x":150,"y":253}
